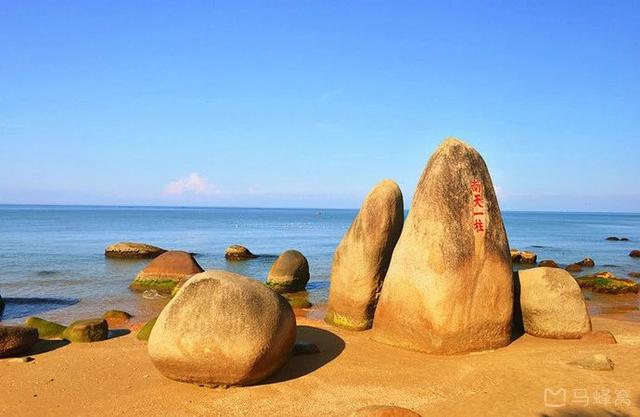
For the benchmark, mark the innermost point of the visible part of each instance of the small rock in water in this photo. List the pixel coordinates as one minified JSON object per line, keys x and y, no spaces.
{"x":305,"y":348}
{"x":634,"y":274}
{"x":587,"y":263}
{"x":523,"y":257}
{"x":289,"y":273}
{"x":548,"y":263}
{"x":613,"y":238}
{"x":635,"y":253}
{"x":574,"y":268}
{"x":238,"y":253}
{"x":597,"y":362}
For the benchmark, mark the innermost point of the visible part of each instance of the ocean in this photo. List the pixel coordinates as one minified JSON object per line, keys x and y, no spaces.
{"x":52,"y":261}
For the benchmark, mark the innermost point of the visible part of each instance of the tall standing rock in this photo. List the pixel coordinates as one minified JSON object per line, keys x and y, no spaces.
{"x":362,"y":258}
{"x":449,"y":287}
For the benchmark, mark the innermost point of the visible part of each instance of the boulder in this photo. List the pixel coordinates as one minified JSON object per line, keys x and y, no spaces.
{"x":595,"y":362}
{"x":608,"y":283}
{"x":145,"y":332}
{"x":238,"y":253}
{"x":635,"y":253}
{"x":613,"y":238}
{"x":362,"y":258}
{"x":223,"y":329}
{"x":604,"y":337}
{"x":523,"y":257}
{"x":552,"y":304}
{"x":587,"y":263}
{"x":131,"y":250}
{"x":548,"y":263}
{"x":449,"y":288}
{"x":573,"y":268}
{"x":46,"y":329}
{"x":15,"y":340}
{"x":117,"y":315}
{"x":85,"y":331}
{"x":289,"y":273}
{"x":164,"y":272}
{"x":384,"y":411}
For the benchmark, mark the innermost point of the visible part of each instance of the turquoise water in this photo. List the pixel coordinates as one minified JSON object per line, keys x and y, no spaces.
{"x":52,"y":257}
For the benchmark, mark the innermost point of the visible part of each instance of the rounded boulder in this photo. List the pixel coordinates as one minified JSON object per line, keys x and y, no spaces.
{"x":238,"y":253}
{"x":16,"y":339}
{"x":222,"y":329}
{"x":552,"y":304}
{"x":289,"y":273}
{"x":166,"y":271}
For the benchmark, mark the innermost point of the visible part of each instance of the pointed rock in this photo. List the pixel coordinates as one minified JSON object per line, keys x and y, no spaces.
{"x":362,"y":258}
{"x":449,"y":287}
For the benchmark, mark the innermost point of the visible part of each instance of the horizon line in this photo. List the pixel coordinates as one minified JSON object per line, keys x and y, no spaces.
{"x":277,"y":208}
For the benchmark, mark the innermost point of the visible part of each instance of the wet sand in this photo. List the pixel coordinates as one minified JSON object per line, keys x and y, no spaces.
{"x":117,"y":378}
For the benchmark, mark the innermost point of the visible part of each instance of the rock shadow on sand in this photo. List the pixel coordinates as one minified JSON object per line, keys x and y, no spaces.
{"x":44,"y":346}
{"x":330,"y":345}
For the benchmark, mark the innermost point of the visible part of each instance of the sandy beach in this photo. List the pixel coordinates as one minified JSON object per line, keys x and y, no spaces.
{"x":116,"y":378}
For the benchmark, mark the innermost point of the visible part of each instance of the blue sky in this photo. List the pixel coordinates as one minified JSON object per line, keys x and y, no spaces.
{"x":310,"y":103}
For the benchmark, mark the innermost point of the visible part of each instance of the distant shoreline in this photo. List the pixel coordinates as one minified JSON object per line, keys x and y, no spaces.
{"x":161,"y":207}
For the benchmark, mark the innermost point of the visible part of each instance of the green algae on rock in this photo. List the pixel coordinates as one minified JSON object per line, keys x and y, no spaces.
{"x":117,"y":315}
{"x":165,"y":272}
{"x":46,"y":329}
{"x":144,"y":333}
{"x":84,"y":331}
{"x":298,"y":299}
{"x":289,"y":273}
{"x":606,"y":282}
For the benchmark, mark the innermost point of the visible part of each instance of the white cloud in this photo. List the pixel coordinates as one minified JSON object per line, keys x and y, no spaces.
{"x":191,"y":184}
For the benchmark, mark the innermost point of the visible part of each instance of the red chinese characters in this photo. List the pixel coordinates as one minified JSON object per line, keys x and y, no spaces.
{"x":478,"y":206}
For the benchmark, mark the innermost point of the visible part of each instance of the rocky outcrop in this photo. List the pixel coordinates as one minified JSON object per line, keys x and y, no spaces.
{"x":223,"y":329}
{"x":15,"y":340}
{"x":85,"y":331}
{"x":362,"y":258}
{"x":552,"y":304}
{"x":46,"y":329}
{"x":289,"y":273}
{"x":523,"y":257}
{"x":548,"y":263}
{"x":132,"y":250}
{"x":449,"y":288}
{"x":166,"y":271}
{"x":606,"y":282}
{"x":615,"y":238}
{"x":238,"y":253}
{"x":587,"y":263}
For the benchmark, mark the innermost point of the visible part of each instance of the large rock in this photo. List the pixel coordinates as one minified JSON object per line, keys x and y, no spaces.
{"x":289,"y":273}
{"x":523,"y":257}
{"x":15,"y":340}
{"x":165,"y":272}
{"x":238,"y":253}
{"x":552,"y":304}
{"x":449,"y":287}
{"x":132,"y":250}
{"x":362,"y":258}
{"x":46,"y":329}
{"x":86,"y":331}
{"x":223,"y":329}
